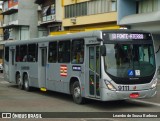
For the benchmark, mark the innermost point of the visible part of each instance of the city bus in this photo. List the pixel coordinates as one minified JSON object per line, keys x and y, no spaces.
{"x":103,"y":65}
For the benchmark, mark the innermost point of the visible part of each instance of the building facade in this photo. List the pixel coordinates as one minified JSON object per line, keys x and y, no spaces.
{"x":49,"y":16}
{"x":86,"y":15}
{"x":141,"y":15}
{"x":19,"y":19}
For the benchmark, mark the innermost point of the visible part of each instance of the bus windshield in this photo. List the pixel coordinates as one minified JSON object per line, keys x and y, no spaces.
{"x":129,"y":60}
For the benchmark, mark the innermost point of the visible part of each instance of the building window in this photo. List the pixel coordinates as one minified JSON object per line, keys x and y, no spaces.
{"x":53,"y":9}
{"x":24,"y":33}
{"x":90,"y":7}
{"x":44,"y":10}
{"x":42,"y":32}
{"x":146,"y":6}
{"x":113,"y":5}
{"x":79,"y":9}
{"x":48,"y":10}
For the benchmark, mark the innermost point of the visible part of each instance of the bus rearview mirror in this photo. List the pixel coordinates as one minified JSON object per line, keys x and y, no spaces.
{"x":103,"y":50}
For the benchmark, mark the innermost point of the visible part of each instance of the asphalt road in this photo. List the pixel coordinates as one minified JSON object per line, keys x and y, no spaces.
{"x":13,"y":99}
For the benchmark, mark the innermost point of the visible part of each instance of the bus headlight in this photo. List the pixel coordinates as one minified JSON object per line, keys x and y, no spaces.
{"x":109,"y":85}
{"x":154,"y":83}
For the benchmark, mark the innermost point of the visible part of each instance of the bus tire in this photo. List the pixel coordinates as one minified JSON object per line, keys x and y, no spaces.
{"x":26,"y":83}
{"x":19,"y":81}
{"x":76,"y":93}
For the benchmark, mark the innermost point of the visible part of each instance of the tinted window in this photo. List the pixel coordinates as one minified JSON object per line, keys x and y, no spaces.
{"x":78,"y":51}
{"x":7,"y":54}
{"x":64,"y":52}
{"x":32,"y":53}
{"x":52,"y":54}
{"x":18,"y":59}
{"x":23,"y":53}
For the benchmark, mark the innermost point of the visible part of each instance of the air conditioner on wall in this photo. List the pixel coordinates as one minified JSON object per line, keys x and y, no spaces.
{"x":73,"y":20}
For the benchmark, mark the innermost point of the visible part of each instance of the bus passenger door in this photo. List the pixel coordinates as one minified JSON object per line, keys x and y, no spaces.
{"x":93,"y":53}
{"x":12,"y":64}
{"x":42,"y":61}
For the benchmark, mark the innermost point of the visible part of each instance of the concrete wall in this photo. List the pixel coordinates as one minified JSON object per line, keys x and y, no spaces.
{"x":92,"y":19}
{"x":28,"y":15}
{"x":59,"y":13}
{"x":125,"y":8}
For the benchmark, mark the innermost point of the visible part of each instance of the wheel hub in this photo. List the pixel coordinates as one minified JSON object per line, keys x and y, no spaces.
{"x":77,"y":92}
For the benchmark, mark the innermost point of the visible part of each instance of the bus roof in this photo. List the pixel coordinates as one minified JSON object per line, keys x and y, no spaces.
{"x":52,"y":38}
{"x":95,"y":33}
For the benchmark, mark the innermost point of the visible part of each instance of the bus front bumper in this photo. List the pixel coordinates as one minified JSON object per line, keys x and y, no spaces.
{"x":108,"y":95}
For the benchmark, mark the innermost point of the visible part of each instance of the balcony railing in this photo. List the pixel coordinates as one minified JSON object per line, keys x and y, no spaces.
{"x":8,"y":11}
{"x":48,"y":18}
{"x":10,"y":24}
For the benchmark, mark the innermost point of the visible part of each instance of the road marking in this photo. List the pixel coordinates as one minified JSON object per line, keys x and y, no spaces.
{"x":146,"y":102}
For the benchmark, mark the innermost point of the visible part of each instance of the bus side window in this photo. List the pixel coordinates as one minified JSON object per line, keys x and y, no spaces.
{"x":7,"y":54}
{"x":23,"y":53}
{"x":64,"y":52}
{"x":52,"y":53}
{"x":32,"y":52}
{"x":18,"y":58}
{"x":77,"y":51}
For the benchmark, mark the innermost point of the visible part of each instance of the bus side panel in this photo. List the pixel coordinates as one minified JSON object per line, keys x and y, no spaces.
{"x":52,"y":73}
{"x":77,"y":71}
{"x":59,"y":75}
{"x":55,"y":81}
{"x":6,"y":71}
{"x":11,"y":68}
{"x":33,"y":74}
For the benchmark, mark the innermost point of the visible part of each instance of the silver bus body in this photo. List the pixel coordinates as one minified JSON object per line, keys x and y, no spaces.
{"x":96,"y":79}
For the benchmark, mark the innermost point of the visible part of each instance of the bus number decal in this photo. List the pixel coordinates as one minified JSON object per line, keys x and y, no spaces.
{"x":63,"y":70}
{"x":123,"y":88}
{"x":76,"y":68}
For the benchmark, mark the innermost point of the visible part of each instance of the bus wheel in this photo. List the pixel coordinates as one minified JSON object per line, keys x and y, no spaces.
{"x":76,"y":93}
{"x":26,"y":83}
{"x":19,"y":81}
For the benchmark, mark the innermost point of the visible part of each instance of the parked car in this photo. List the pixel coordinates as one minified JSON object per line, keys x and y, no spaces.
{"x":1,"y":68}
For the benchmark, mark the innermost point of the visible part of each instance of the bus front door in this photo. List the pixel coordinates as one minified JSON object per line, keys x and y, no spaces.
{"x":93,"y":71}
{"x":42,"y":61}
{"x":12,"y":65}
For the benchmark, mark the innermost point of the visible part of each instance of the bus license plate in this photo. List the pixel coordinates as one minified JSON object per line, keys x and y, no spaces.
{"x":123,"y":88}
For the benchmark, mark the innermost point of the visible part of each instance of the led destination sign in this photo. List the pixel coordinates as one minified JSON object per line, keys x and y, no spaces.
{"x":127,"y":36}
